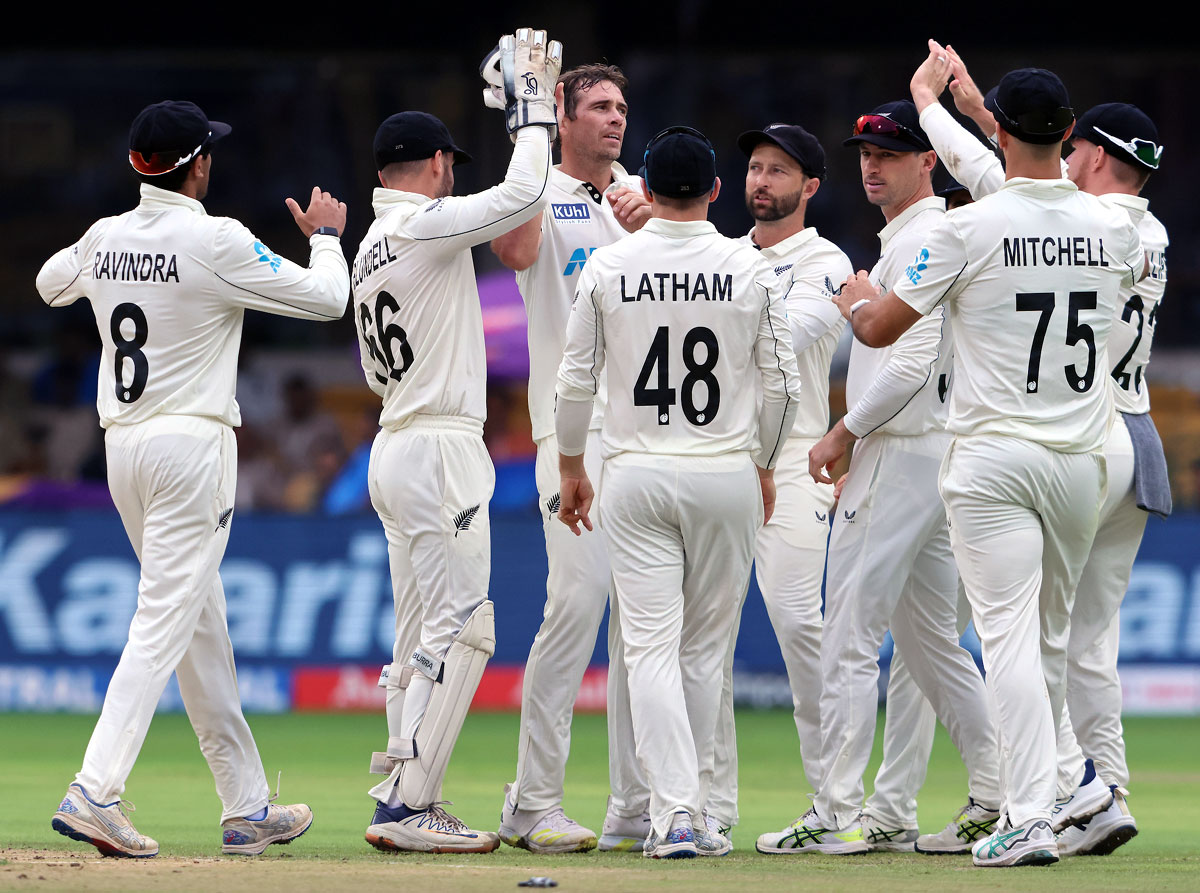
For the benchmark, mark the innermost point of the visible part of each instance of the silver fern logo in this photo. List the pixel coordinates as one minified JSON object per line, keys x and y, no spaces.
{"x":223,"y":521}
{"x":462,"y":521}
{"x":552,"y":505}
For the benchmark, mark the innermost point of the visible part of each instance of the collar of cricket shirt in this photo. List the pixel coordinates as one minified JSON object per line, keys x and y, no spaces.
{"x":679,"y":229}
{"x":787,"y":246}
{"x":570,"y":184}
{"x":157,"y":197}
{"x":932,"y":203}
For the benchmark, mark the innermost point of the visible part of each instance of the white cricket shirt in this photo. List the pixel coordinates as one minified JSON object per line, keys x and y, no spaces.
{"x":902,"y":389}
{"x":1137,"y":309}
{"x":574,"y":225}
{"x":169,"y":285}
{"x":811,"y":269}
{"x":416,"y":304}
{"x":688,"y":323}
{"x":1031,"y":276}
{"x":973,"y":165}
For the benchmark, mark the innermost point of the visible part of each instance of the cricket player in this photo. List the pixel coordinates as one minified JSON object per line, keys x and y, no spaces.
{"x":785,"y":168}
{"x":592,"y":202}
{"x":890,"y":564}
{"x":1114,"y":150}
{"x":1031,"y":276}
{"x":690,"y":326}
{"x":421,"y":341}
{"x":169,"y":286}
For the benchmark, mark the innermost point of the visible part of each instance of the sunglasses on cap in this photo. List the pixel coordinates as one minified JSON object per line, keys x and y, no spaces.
{"x":1147,"y":152}
{"x":1041,"y":123}
{"x":159,"y":163}
{"x":879,"y":124}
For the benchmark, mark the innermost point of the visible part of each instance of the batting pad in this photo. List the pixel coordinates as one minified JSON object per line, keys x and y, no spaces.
{"x":462,"y":668}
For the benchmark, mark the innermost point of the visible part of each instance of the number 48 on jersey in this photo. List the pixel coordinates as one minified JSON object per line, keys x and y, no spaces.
{"x":699,"y":371}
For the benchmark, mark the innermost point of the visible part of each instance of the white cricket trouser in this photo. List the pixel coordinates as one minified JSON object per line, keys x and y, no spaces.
{"x":789,"y":563}
{"x":172,"y":478}
{"x":680,"y":532}
{"x":576,"y":592}
{"x":1022,"y":520}
{"x":890,"y":566}
{"x":1093,"y":718}
{"x":908,"y":727}
{"x":430,"y":484}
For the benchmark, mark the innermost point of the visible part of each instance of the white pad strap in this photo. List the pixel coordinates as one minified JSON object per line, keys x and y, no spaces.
{"x":421,"y":776}
{"x":424,"y":662}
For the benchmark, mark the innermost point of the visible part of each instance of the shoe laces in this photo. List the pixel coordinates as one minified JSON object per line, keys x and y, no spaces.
{"x":557,"y":820}
{"x":440,"y":816}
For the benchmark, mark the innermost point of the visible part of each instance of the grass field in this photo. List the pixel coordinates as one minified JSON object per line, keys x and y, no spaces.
{"x":324,"y":760}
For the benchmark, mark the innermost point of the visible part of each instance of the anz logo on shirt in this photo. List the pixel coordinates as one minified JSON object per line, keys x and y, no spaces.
{"x":268,"y":257}
{"x":577,"y":259}
{"x":918,"y":267}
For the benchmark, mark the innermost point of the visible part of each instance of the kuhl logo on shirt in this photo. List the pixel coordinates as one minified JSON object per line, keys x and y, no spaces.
{"x":570,"y":212}
{"x":918,"y":267}
{"x":577,"y":259}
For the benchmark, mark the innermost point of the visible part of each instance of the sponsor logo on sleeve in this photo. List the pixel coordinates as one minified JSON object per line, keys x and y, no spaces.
{"x":918,"y":267}
{"x":268,"y":257}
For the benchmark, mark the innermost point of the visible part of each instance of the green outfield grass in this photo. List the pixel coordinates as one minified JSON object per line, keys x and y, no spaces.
{"x":324,"y":758}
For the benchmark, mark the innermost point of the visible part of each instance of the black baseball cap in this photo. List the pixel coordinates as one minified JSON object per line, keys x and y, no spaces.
{"x":893,"y":125}
{"x":792,"y":139}
{"x":952,"y":186}
{"x":679,"y":162}
{"x":169,"y":134}
{"x":1031,"y":104}
{"x":412,"y":136}
{"x":1125,"y":132}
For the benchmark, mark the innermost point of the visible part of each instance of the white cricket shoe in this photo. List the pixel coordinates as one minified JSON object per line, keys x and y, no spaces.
{"x":713,"y":838}
{"x":679,"y":842}
{"x":882,"y":838}
{"x":430,"y":830}
{"x":1008,"y":847}
{"x":104,"y":825}
{"x":972,"y":823}
{"x":1092,"y":796}
{"x":624,"y":834}
{"x":543,"y":831}
{"x":808,"y":834}
{"x":1102,"y":833}
{"x":281,"y":824}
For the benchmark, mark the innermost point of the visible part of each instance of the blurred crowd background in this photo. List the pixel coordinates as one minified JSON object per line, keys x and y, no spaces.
{"x":304,"y":104}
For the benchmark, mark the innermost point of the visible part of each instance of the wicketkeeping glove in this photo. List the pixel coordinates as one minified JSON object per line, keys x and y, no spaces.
{"x":520,"y":74}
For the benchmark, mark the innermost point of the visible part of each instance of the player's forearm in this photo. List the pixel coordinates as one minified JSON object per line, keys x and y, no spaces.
{"x":902,"y":377}
{"x":968,"y":160}
{"x":810,"y":319}
{"x":323,"y":289}
{"x":775,"y":419}
{"x":456,"y":223}
{"x":518,"y":249}
{"x":571,"y":420}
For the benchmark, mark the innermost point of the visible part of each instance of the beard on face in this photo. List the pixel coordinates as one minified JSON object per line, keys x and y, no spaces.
{"x":779,"y":207}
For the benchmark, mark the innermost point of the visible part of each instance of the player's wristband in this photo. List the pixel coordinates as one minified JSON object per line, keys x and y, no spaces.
{"x":327,"y":231}
{"x":859,"y":303}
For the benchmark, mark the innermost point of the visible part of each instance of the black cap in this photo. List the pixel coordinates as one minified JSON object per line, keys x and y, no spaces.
{"x":1031,"y":104}
{"x":1125,"y":132}
{"x":680,"y":162}
{"x":412,"y":136}
{"x":792,"y":139}
{"x":952,"y":186}
{"x":168,"y":134}
{"x":893,"y":125}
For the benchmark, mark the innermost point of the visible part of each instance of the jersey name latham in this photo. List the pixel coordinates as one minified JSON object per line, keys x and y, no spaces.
{"x":678,"y":287}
